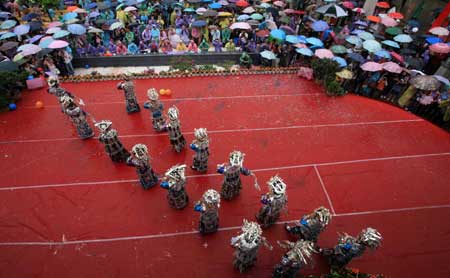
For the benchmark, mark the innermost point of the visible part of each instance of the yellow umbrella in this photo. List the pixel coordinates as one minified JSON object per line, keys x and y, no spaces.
{"x":345,"y":74}
{"x":225,"y":14}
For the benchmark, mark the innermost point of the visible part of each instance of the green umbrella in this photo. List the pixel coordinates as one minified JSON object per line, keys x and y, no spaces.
{"x":394,"y":31}
{"x":338,"y":49}
{"x":257,"y":16}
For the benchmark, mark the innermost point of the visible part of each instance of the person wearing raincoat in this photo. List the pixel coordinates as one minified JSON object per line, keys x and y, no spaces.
{"x":204,"y":46}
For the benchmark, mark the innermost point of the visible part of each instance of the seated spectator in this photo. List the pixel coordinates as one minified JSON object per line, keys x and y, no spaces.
{"x":121,"y":48}
{"x":101,"y":50}
{"x":142,"y":47}
{"x":155,"y":34}
{"x":192,"y":47}
{"x":181,"y":47}
{"x":112,"y":49}
{"x":153,"y":47}
{"x":217,"y":45}
{"x":229,"y":46}
{"x":132,"y":48}
{"x":166,"y":47}
{"x":91,"y":50}
{"x":204,"y":46}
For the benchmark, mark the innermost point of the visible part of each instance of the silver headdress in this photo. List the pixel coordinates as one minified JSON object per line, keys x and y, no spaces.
{"x":152,"y":94}
{"x":277,"y":185}
{"x":300,"y":251}
{"x":52,"y":81}
{"x":211,"y":197}
{"x":323,"y":215}
{"x":66,"y":100}
{"x":103,"y":125}
{"x":176,"y":172}
{"x":140,"y":151}
{"x":370,"y":238}
{"x":173,"y":113}
{"x":200,"y":134}
{"x":237,"y":158}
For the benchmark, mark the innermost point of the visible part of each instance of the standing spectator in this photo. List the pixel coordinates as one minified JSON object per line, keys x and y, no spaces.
{"x":68,"y":62}
{"x":217,"y":45}
{"x":155,"y":34}
{"x":146,"y":34}
{"x":121,"y":48}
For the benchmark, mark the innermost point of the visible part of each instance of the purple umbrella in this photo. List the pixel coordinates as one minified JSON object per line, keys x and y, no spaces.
{"x":58,"y":44}
{"x":320,"y":26}
{"x":35,"y":39}
{"x":287,"y":29}
{"x":94,"y":14}
{"x":22,"y":29}
{"x":30,"y":49}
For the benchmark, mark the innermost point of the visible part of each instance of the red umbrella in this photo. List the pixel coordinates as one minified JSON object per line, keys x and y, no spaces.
{"x":374,"y":18}
{"x":348,"y":5}
{"x":242,"y":3}
{"x":358,"y":10}
{"x":263,"y":33}
{"x":440,"y":47}
{"x":396,"y":15}
{"x":397,"y":56}
{"x":291,"y":11}
{"x":383,"y":5}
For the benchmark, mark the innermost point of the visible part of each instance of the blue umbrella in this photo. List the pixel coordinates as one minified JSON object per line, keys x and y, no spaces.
{"x":45,"y":43}
{"x":265,"y":5}
{"x":356,"y":57}
{"x":91,"y":6}
{"x":94,"y":14}
{"x":199,"y":23}
{"x":391,"y":43}
{"x":22,"y":29}
{"x":361,"y":23}
{"x":215,"y":6}
{"x":320,"y":26}
{"x":366,"y":36}
{"x":30,"y":16}
{"x":278,"y":34}
{"x":341,"y":61}
{"x":314,"y":41}
{"x":60,"y":34}
{"x":69,"y":16}
{"x":292,"y":39}
{"x":8,"y":24}
{"x":76,"y":29}
{"x":301,"y":39}
{"x":304,"y":51}
{"x":403,"y":38}
{"x":413,"y":23}
{"x":433,"y":40}
{"x":383,"y":54}
{"x":7,"y":35}
{"x":353,"y":40}
{"x":243,"y":17}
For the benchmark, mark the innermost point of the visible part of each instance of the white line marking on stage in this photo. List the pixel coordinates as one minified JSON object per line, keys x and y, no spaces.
{"x":228,"y":130}
{"x":10,"y":188}
{"x":325,"y":190}
{"x":153,"y":236}
{"x":191,"y":99}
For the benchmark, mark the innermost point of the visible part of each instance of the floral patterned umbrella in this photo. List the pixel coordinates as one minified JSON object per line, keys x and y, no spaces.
{"x":425,"y":82}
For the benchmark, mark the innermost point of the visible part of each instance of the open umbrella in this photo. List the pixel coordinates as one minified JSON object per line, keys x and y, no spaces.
{"x":332,"y":9}
{"x":403,"y":38}
{"x":210,"y":13}
{"x":58,"y":44}
{"x":314,"y":42}
{"x":425,"y":82}
{"x":287,"y":29}
{"x":30,"y":49}
{"x":8,"y":35}
{"x":395,"y":15}
{"x":353,"y":40}
{"x":8,"y":45}
{"x":248,"y":10}
{"x":439,"y":31}
{"x":338,"y":49}
{"x":55,"y":24}
{"x":257,"y":16}
{"x":94,"y":30}
{"x":393,"y":31}
{"x":389,"y":22}
{"x":304,"y":51}
{"x":269,"y":55}
{"x":433,"y":40}
{"x":223,"y":2}
{"x":442,"y":79}
{"x":30,"y":16}
{"x":372,"y":46}
{"x":348,"y":4}
{"x":356,"y":57}
{"x":371,"y":66}
{"x":61,"y":34}
{"x":35,"y":38}
{"x":440,"y":47}
{"x":265,"y":5}
{"x":22,"y":29}
{"x":90,"y":6}
{"x":391,"y":43}
{"x":46,"y":42}
{"x":76,"y":29}
{"x":383,"y":5}
{"x":242,"y":3}
{"x":345,"y":74}
{"x":243,"y":17}
{"x":397,"y":57}
{"x":361,"y":23}
{"x":263,"y":33}
{"x":199,"y":23}
{"x":240,"y":25}
{"x":280,"y":4}
{"x":320,"y":26}
{"x":359,"y":10}
{"x":8,"y":24}
{"x":8,"y":66}
{"x":225,"y":14}
{"x":366,"y":36}
{"x":383,"y":54}
{"x":103,"y":5}
{"x":200,"y":10}
{"x":373,"y":18}
{"x":116,"y":25}
{"x":69,"y":16}
{"x":215,"y":6}
{"x":292,"y":39}
{"x":53,"y":30}
{"x":392,"y":67}
{"x":323,"y":53}
{"x":278,"y":34}
{"x":341,"y":61}
{"x":80,"y":11}
{"x":130,"y":9}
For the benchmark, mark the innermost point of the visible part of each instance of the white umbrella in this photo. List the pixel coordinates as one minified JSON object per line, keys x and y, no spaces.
{"x":340,"y":12}
{"x":130,"y":8}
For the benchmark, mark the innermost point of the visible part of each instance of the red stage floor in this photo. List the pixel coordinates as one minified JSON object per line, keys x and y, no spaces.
{"x":67,"y":210}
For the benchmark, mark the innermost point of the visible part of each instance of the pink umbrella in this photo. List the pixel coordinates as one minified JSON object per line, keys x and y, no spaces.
{"x":54,"y":24}
{"x":58,"y":44}
{"x":371,"y":66}
{"x":348,"y":4}
{"x":240,"y":25}
{"x":300,"y":45}
{"x":323,"y":53}
{"x":359,"y":10}
{"x":52,"y":30}
{"x":440,"y":47}
{"x":392,"y":67}
{"x":279,"y":4}
{"x":389,"y":22}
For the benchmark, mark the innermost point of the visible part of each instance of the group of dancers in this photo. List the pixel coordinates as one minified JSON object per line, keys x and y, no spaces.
{"x":306,"y":231}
